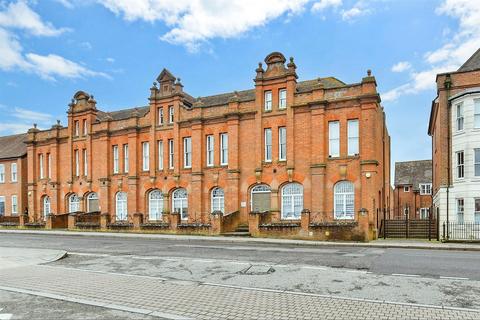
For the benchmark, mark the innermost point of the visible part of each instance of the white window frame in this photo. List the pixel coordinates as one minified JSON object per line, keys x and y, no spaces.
{"x":160,"y":154}
{"x":345,"y":199}
{"x":334,"y":139}
{"x":121,"y":206}
{"x":76,"y":123}
{"x":217,"y":202}
{"x":425,"y":188}
{"x":14,"y":172}
{"x":282,"y":143}
{"x":73,"y":203}
{"x":268,"y":100}
{"x":77,"y":163}
{"x":406,"y":188}
{"x":353,"y":133}
{"x":187,"y":152}
{"x":126,"y":164}
{"x":160,"y":116}
{"x":14,"y":204}
{"x":155,"y":205}
{"x":424,"y":213}
{"x":40,"y":166}
{"x":171,"y":114}
{"x":476,"y":113}
{"x":145,"y":156}
{"x":210,"y":150}
{"x":46,"y":206}
{"x":91,"y":196}
{"x":223,"y":149}
{"x":85,"y":162}
{"x":476,"y":162}
{"x":49,"y":165}
{"x":460,"y":165}
{"x":2,"y":173}
{"x":292,"y":201}
{"x":268,"y":144}
{"x":171,"y":154}
{"x":460,"y":119}
{"x":460,"y":206}
{"x":115,"y":159}
{"x":260,"y":188}
{"x":282,"y":99}
{"x":180,"y":201}
{"x":4,"y":206}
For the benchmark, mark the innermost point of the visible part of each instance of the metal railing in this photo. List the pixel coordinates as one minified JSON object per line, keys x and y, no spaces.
{"x":461,"y":231}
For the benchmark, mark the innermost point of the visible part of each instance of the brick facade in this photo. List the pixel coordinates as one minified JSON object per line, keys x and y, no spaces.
{"x":309,"y":107}
{"x":412,"y":194}
{"x":13,"y":175}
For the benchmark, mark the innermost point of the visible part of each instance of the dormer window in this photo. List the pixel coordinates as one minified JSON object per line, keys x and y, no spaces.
{"x":282,"y":98}
{"x":268,"y":100}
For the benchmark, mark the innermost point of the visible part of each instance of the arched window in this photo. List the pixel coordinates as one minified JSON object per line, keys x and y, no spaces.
{"x":73,"y":203}
{"x":155,"y":205}
{"x":92,"y":202}
{"x":180,"y":202}
{"x":46,"y":206}
{"x":292,"y":201}
{"x":121,"y":206}
{"x":260,"y":198}
{"x":218,"y":200}
{"x":344,"y":198}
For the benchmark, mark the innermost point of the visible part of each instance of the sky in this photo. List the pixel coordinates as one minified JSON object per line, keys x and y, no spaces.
{"x":115,"y":49}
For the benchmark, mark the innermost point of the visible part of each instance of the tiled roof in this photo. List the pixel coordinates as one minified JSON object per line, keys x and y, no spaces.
{"x":472,"y":63}
{"x":221,"y":99}
{"x":13,"y":146}
{"x":413,"y":173}
{"x":122,"y":114}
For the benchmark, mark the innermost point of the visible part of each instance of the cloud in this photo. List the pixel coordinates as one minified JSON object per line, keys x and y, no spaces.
{"x":111,"y":60}
{"x":12,"y":57}
{"x":325,"y":4}
{"x":53,"y":65}
{"x":359,"y":9}
{"x":449,"y":57}
{"x":65,"y":3}
{"x":19,"y":120}
{"x":401,"y":66}
{"x":193,"y":23}
{"x":18,"y":15}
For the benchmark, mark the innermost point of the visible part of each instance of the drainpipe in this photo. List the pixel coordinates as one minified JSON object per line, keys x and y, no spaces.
{"x":448,"y":85}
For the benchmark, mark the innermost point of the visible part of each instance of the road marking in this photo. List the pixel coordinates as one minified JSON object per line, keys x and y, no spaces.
{"x":5,"y":316}
{"x":453,"y":278}
{"x":405,"y":275}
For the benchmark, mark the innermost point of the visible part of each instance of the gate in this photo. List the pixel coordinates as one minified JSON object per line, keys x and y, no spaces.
{"x":409,"y":228}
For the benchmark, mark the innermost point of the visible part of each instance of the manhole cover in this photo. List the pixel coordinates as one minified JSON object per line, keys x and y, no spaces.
{"x":257,"y":270}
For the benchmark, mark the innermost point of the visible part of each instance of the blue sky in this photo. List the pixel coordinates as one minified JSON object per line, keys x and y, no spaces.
{"x":114,"y":49}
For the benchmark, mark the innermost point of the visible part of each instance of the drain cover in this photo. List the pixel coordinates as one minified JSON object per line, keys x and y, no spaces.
{"x":257,"y":270}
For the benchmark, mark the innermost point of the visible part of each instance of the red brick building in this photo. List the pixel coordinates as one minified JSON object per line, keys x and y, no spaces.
{"x":413,"y":189}
{"x":13,"y":175}
{"x":318,"y":146}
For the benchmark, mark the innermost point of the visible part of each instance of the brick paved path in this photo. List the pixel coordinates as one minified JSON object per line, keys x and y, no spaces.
{"x":184,"y":299}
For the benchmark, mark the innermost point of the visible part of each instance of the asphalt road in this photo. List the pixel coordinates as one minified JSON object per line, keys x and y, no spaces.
{"x":409,"y":262}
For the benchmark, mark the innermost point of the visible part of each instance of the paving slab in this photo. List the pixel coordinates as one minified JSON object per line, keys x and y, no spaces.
{"x":148,"y":295}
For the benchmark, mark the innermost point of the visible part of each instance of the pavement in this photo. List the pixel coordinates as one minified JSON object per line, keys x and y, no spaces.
{"x":380,"y":243}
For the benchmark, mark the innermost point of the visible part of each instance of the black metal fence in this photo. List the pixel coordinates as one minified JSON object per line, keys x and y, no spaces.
{"x":461,"y":231}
